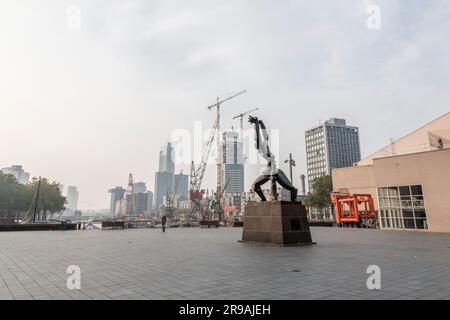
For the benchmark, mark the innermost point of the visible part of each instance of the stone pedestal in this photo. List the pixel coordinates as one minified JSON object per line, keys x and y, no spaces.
{"x":277,"y":223}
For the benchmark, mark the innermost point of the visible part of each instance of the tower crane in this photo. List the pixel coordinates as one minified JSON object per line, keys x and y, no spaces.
{"x":219,"y":207}
{"x":217,"y":106}
{"x":241,"y":116}
{"x":197,"y":174}
{"x":216,"y":206}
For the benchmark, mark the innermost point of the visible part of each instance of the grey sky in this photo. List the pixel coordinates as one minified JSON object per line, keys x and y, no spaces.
{"x":89,"y":106}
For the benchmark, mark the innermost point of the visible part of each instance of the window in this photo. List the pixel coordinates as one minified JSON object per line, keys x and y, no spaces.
{"x":402,"y":207}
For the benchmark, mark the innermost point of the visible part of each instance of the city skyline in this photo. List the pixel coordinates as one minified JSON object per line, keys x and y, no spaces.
{"x":91,"y":105}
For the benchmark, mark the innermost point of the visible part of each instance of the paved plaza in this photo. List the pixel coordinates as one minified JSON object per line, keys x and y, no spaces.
{"x":212,"y":264}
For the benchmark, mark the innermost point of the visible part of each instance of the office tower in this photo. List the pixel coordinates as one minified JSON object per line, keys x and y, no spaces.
{"x":163,"y":185}
{"x":140,"y":187}
{"x":117,"y":194}
{"x":331,"y":145}
{"x":233,"y":163}
{"x":144,"y":202}
{"x":167,"y":159}
{"x":18,"y":172}
{"x":141,"y":200}
{"x":164,"y":178}
{"x":181,"y":186}
{"x":72,"y":198}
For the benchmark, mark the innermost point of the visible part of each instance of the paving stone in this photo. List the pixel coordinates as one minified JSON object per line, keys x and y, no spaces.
{"x":212,"y":264}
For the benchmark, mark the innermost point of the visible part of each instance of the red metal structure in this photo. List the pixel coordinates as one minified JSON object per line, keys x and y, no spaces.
{"x":356,"y":210}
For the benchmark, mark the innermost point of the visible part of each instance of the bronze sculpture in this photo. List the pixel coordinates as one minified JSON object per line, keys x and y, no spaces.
{"x":270,"y":172}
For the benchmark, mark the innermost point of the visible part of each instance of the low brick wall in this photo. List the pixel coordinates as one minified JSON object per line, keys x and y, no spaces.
{"x":38,"y":227}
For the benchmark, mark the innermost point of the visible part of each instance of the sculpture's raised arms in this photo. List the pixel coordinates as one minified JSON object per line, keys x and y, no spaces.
{"x":270,"y":171}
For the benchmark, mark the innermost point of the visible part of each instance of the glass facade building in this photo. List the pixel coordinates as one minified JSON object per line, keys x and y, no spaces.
{"x":232,"y":163}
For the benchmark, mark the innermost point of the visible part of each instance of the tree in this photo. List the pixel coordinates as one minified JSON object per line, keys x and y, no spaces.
{"x":320,"y":197}
{"x":13,"y":196}
{"x":18,"y":197}
{"x":50,"y":197}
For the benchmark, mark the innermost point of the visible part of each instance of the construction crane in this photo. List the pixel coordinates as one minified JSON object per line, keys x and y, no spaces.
{"x":219,"y":162}
{"x":197,"y":174}
{"x":241,"y":116}
{"x":216,"y":205}
{"x":219,"y":208}
{"x":169,"y":208}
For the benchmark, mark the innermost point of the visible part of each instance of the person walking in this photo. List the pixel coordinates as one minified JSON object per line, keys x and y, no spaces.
{"x":163,"y":223}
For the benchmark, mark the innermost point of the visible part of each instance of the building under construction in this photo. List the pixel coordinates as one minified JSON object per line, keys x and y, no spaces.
{"x":209,"y":208}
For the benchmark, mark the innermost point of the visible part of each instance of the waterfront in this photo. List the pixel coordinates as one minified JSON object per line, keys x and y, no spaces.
{"x":212,"y":264}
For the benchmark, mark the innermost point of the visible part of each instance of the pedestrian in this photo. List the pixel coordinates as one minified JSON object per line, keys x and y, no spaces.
{"x":163,"y":222}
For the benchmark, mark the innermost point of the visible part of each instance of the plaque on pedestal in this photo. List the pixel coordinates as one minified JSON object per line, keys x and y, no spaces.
{"x":278,"y":223}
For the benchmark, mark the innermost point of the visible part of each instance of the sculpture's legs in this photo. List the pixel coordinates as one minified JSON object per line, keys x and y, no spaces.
{"x":273,"y":181}
{"x":283,"y":180}
{"x":257,"y":186}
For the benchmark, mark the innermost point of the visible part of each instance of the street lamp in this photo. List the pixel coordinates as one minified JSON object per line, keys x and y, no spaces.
{"x":291,"y":164}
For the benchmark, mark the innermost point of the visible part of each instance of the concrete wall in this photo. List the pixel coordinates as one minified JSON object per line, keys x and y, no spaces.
{"x":429,"y":169}
{"x":357,"y":180}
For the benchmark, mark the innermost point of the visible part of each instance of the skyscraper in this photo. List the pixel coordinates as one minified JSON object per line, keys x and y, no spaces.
{"x":17,"y":171}
{"x":167,"y":159}
{"x":331,"y":145}
{"x":233,"y":163}
{"x":163,"y":184}
{"x":117,"y":194}
{"x":72,"y":198}
{"x":164,"y":178}
{"x":140,"y":187}
{"x":181,"y":186}
{"x":144,"y":201}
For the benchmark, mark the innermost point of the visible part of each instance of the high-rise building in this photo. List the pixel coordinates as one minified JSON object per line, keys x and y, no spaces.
{"x":18,"y":172}
{"x":233,"y":163}
{"x":164,"y":178}
{"x":181,"y":186}
{"x":163,"y":184}
{"x":167,"y":159}
{"x":117,"y":194}
{"x":144,"y":202}
{"x":140,"y":187}
{"x":331,"y":145}
{"x":72,"y":198}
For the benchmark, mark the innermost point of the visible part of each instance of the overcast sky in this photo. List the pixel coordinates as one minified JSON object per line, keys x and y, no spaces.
{"x":87,"y":106}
